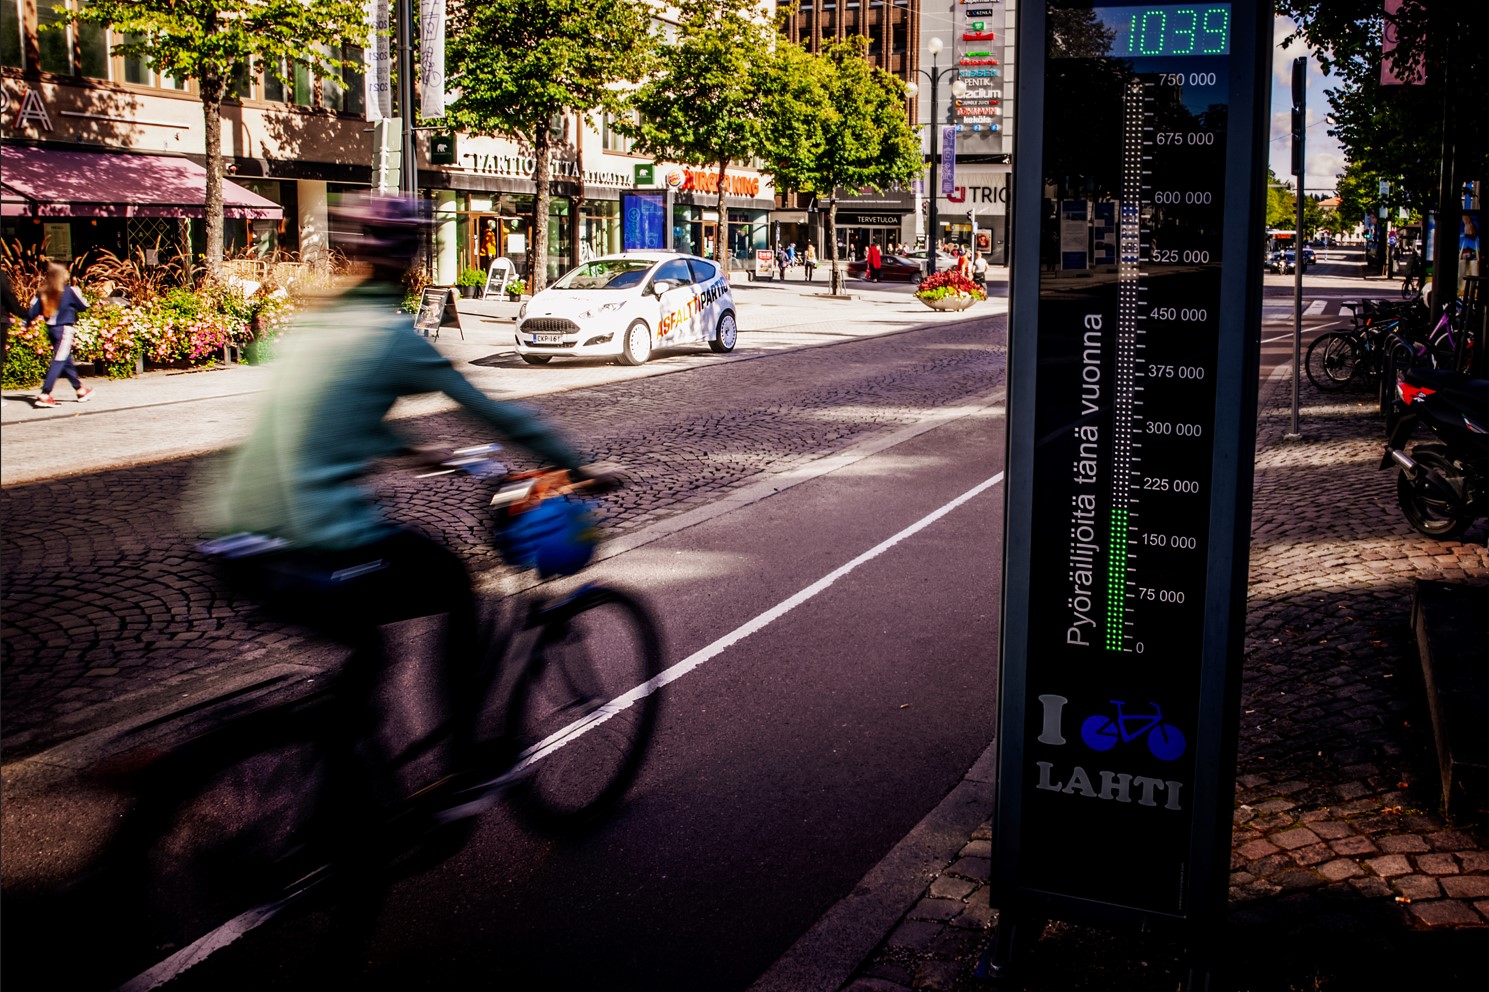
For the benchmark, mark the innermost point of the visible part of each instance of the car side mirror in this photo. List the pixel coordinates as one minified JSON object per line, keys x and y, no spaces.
{"x":662,"y":286}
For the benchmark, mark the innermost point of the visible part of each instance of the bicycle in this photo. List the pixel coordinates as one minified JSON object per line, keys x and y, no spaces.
{"x":1411,"y":285}
{"x":282,"y":806}
{"x":1102,"y":732}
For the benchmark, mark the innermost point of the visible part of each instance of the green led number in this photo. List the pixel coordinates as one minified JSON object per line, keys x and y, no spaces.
{"x":1138,"y":33}
{"x":1216,"y":22}
{"x":1194,"y":31}
{"x":1189,"y":31}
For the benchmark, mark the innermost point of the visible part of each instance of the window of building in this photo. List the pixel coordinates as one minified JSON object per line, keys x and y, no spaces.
{"x":610,"y":139}
{"x":54,"y":44}
{"x":289,"y":85}
{"x":354,"y":96}
{"x":10,"y":34}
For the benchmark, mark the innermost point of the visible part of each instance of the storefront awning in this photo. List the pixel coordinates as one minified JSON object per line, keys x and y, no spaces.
{"x":43,"y":182}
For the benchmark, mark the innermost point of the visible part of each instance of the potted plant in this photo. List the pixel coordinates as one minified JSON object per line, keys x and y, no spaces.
{"x":515,"y":289}
{"x":949,"y":291}
{"x":470,"y":282}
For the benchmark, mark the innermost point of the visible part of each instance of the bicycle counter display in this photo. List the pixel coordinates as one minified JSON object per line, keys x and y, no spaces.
{"x":1136,"y":304}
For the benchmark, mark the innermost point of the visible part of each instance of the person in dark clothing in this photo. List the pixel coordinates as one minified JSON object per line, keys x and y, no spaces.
{"x":60,"y":303}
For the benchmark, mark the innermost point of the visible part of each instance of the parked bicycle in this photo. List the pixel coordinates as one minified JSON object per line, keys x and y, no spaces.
{"x":291,"y":804}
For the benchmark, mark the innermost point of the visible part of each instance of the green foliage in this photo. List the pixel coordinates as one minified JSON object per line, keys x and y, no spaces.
{"x":862,"y":138}
{"x":28,"y":352}
{"x":1396,"y":132}
{"x":708,"y":103}
{"x":519,"y":66}
{"x":948,"y":283}
{"x":212,"y":42}
{"x":471,"y":277}
{"x":1281,"y":207}
{"x":515,"y":287}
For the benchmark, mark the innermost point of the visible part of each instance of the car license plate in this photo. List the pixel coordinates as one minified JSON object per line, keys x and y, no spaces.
{"x":548,"y":339}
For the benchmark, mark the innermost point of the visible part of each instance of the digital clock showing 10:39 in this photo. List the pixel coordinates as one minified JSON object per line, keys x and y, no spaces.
{"x":1147,"y":32}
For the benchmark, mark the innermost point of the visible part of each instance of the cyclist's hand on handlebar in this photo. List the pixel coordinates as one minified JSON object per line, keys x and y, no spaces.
{"x":597,"y":476}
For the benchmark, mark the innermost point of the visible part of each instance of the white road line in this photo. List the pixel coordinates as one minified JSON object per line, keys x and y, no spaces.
{"x":1314,"y":309}
{"x":230,"y":931}
{"x":582,"y":726}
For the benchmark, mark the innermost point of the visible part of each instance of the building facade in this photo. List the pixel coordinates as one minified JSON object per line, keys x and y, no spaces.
{"x":300,"y":143}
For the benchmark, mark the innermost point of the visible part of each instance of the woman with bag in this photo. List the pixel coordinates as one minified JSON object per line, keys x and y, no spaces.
{"x":60,"y":303}
{"x":809,"y":261}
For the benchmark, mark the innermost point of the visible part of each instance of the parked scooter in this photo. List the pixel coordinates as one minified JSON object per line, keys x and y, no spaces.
{"x":1444,"y":483}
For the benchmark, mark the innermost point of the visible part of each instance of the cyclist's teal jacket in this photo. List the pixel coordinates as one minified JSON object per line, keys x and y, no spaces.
{"x":298,"y":476}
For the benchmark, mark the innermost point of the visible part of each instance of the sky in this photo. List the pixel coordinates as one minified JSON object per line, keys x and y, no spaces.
{"x":1325,"y":159}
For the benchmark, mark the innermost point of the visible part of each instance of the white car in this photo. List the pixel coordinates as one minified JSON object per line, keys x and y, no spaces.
{"x":626,"y":305}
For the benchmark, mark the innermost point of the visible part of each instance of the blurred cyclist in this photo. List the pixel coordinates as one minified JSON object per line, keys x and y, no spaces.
{"x":344,"y":569}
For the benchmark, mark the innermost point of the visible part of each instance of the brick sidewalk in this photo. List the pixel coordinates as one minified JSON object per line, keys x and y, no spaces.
{"x":1339,"y":847}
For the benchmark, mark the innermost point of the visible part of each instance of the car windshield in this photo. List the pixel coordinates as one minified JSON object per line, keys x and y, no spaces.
{"x":606,"y":273}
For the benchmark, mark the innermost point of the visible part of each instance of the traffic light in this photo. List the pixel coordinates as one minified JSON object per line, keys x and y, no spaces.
{"x":1300,"y":114}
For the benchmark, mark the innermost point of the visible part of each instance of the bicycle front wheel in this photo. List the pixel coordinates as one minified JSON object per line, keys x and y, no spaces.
{"x":582,"y":708}
{"x":1332,"y":360}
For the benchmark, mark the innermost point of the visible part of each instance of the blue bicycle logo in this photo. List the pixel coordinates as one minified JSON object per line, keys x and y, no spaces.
{"x":1103,"y":732}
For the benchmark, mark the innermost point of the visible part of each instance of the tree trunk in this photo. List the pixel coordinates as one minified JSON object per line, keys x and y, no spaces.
{"x":212,"y":87}
{"x":721,"y":233}
{"x":537,"y":275}
{"x":834,"y":277}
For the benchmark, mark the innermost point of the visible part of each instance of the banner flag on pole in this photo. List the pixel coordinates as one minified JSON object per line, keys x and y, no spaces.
{"x":948,"y":160}
{"x":378,"y":55}
{"x":432,"y":58}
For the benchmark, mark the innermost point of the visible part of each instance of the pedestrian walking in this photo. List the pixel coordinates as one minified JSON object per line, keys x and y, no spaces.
{"x":781,"y":262}
{"x":791,"y":254}
{"x":979,"y":270}
{"x":60,"y":303}
{"x":875,"y":261}
{"x":963,"y":265}
{"x":809,"y":261}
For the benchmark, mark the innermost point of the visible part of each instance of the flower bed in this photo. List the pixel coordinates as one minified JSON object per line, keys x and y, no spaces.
{"x":949,"y":286}
{"x":183,"y":328}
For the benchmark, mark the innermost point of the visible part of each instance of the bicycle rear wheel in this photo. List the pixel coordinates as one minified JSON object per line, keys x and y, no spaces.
{"x":229,"y":830}
{"x":581,"y":708}
{"x":1332,"y":360}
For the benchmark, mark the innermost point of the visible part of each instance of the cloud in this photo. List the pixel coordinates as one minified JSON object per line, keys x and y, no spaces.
{"x":1325,"y":157}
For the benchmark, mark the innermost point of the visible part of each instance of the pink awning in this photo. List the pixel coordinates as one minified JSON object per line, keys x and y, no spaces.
{"x":44,"y":182}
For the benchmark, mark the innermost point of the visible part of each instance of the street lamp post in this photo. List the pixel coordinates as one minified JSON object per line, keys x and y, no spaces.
{"x":933,"y":219}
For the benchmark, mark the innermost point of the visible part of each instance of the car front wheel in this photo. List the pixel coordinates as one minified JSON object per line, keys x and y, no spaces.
{"x":728,"y":332}
{"x":637,"y":347}
{"x":537,"y":359}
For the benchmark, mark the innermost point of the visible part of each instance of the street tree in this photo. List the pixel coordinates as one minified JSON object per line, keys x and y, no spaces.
{"x":865,"y":140}
{"x":519,"y":67}
{"x":1395,"y":132}
{"x":706,"y":105}
{"x":214,"y":44}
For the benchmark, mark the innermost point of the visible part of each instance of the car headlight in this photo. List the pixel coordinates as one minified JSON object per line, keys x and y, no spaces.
{"x":602,"y":308}
{"x":522,"y":310}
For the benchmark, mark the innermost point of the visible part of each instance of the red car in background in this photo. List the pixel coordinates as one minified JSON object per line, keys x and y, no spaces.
{"x":895,"y":268}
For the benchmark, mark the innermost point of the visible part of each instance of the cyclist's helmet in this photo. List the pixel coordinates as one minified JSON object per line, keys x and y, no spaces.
{"x":557,"y":537}
{"x":381,"y":228}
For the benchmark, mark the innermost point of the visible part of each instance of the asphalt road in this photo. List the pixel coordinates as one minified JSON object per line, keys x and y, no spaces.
{"x":785,"y":767}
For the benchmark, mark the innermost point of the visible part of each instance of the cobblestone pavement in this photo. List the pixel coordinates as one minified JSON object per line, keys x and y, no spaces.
{"x":1344,"y":874}
{"x":104,"y":597}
